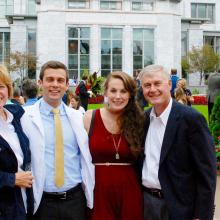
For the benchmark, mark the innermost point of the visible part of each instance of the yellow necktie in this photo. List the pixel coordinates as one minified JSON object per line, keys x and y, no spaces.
{"x":59,"y":155}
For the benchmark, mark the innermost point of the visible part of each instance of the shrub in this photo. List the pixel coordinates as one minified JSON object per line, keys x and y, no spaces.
{"x":215,"y":128}
{"x":195,"y":91}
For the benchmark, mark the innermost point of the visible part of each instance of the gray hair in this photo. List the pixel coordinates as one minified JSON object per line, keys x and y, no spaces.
{"x":148,"y":70}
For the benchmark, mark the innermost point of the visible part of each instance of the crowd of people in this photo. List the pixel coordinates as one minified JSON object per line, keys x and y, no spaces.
{"x":61,"y":161}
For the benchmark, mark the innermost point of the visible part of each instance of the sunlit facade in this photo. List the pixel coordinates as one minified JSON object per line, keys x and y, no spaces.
{"x":107,"y":35}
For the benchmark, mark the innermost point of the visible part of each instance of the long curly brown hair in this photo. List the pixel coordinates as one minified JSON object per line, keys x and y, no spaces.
{"x":131,"y":120}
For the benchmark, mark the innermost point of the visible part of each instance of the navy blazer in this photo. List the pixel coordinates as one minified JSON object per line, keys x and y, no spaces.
{"x":187,"y":169}
{"x":11,"y":202}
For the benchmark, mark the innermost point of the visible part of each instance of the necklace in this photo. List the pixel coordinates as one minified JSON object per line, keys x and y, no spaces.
{"x":116,"y":146}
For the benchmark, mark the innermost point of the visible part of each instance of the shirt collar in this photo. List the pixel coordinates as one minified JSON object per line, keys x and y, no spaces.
{"x":165,"y":114}
{"x":46,"y":109}
{"x":10,"y":116}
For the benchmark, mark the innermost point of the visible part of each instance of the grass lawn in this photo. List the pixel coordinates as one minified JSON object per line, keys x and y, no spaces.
{"x":201,"y":108}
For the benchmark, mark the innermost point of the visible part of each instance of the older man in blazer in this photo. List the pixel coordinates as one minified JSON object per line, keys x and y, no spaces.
{"x":66,"y":198}
{"x":179,"y":169}
{"x":213,"y":90}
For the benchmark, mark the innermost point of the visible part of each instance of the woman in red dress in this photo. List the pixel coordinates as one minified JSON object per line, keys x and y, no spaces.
{"x":114,"y":138}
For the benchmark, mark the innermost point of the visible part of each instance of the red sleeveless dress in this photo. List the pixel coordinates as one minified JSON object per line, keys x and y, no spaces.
{"x":117,"y":194}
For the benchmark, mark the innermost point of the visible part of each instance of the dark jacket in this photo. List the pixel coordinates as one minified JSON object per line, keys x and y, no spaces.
{"x":11,"y":202}
{"x":83,"y":94}
{"x":187,"y":169}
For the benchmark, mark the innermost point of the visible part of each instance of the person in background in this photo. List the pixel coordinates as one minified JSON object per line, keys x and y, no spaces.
{"x":140,"y":98}
{"x":30,"y":90}
{"x":174,"y":78}
{"x":73,"y":101}
{"x":64,"y":175}
{"x":180,"y":96}
{"x":181,"y":83}
{"x":213,"y":90}
{"x":115,"y":133}
{"x":84,"y":94}
{"x":17,"y":98}
{"x":179,"y":168}
{"x":15,"y":157}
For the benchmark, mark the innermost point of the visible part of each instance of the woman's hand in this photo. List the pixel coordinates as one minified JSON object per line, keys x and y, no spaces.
{"x":24,"y":179}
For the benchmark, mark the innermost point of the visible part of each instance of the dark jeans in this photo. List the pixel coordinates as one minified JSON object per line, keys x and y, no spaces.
{"x":71,"y":208}
{"x":155,"y":208}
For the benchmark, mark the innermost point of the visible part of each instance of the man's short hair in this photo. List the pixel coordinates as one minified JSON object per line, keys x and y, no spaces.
{"x":16,"y":92}
{"x":53,"y":64}
{"x":148,"y":70}
{"x":84,"y":77}
{"x":29,"y":89}
{"x":173,"y":71}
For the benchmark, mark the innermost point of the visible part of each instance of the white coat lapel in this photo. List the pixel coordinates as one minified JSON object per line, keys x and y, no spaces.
{"x":34,"y":114}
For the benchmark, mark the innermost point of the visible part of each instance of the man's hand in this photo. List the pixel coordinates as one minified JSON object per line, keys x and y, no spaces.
{"x":24,"y":179}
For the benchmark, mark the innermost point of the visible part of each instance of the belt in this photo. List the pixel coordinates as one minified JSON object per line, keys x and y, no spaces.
{"x":62,"y":195}
{"x":112,"y":164}
{"x":154,"y":192}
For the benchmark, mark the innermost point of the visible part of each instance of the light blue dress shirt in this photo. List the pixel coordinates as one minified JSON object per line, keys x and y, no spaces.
{"x":72,"y":173}
{"x":30,"y":101}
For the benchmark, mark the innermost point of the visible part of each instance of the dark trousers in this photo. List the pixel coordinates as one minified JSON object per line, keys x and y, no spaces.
{"x":71,"y":208}
{"x":155,"y":208}
{"x":210,"y":107}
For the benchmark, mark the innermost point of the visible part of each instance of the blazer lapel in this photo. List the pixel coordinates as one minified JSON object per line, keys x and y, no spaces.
{"x":170,"y":131}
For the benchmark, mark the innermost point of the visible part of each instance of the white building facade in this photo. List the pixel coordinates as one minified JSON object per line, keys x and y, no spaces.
{"x":108,"y":35}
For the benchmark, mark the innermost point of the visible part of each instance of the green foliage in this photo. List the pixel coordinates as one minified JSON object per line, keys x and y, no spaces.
{"x":85,"y":72}
{"x":20,"y":63}
{"x":215,"y":120}
{"x":215,"y":128}
{"x":195,"y":91}
{"x":201,"y":59}
{"x":96,"y":83}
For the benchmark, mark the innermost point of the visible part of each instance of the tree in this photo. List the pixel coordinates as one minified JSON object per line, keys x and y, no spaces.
{"x":21,"y":63}
{"x":201,"y":59}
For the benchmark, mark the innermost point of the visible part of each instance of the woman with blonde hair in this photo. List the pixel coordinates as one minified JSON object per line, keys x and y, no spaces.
{"x":115,"y":134}
{"x":15,"y":157}
{"x":181,"y":83}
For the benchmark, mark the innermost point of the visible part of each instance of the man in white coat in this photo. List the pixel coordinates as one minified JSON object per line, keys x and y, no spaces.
{"x":63,"y":172}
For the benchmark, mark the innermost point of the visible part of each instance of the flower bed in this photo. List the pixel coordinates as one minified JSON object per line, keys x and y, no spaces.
{"x":99,"y":99}
{"x":200,"y":100}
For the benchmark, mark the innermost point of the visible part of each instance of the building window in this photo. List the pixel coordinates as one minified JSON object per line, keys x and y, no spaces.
{"x":111,"y":5}
{"x":6,"y":7}
{"x":203,"y":10}
{"x":142,"y":5}
{"x":31,"y":9}
{"x":184,"y":43}
{"x":32,"y":54}
{"x":78,"y":3}
{"x":143,"y":48}
{"x":4,"y":46}
{"x":214,"y":42}
{"x":111,"y":50}
{"x":78,"y":51}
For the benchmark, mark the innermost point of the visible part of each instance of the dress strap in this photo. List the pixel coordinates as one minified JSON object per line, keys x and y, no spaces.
{"x":92,"y":122}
